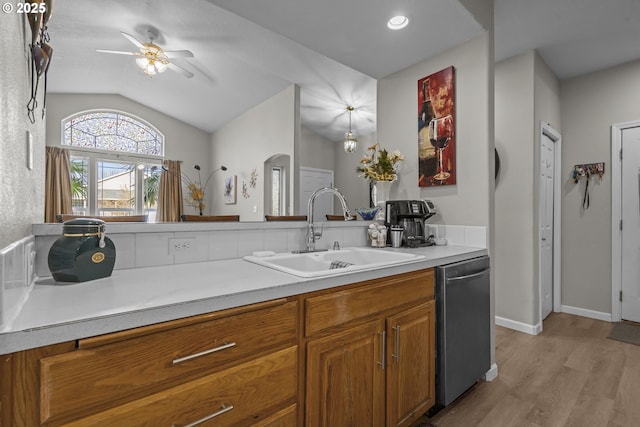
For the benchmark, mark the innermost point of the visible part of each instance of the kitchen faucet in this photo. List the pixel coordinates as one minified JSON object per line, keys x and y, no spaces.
{"x":311,"y":233}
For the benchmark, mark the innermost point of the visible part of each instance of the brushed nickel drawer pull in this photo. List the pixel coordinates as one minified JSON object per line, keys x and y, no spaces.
{"x":383,"y":348}
{"x":203,"y":353}
{"x":397,"y":354}
{"x":209,"y":417}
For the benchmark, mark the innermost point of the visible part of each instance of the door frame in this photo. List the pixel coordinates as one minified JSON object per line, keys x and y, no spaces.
{"x":616,"y":216}
{"x":547,"y":130}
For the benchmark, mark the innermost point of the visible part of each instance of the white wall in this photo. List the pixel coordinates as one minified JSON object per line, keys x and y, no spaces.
{"x":471,"y":201}
{"x":355,"y":189}
{"x":513,"y":265}
{"x":468,"y":202}
{"x":316,"y":151}
{"x":526,"y":92}
{"x":546,"y":109}
{"x":590,"y":105}
{"x":182,"y":141}
{"x":21,"y":189}
{"x":246,"y":142}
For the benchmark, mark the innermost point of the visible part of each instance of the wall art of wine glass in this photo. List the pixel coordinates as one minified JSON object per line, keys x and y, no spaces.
{"x":437,"y":129}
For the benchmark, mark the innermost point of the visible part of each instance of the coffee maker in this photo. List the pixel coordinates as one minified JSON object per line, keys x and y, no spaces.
{"x":411,"y":216}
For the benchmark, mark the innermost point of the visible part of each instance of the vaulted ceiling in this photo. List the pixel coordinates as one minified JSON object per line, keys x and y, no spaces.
{"x":245,"y":51}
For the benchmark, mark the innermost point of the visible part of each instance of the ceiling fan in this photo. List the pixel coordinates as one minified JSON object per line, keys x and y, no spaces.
{"x":152,"y":59}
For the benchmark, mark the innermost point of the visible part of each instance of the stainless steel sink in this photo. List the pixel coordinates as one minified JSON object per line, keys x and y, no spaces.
{"x":333,"y":263}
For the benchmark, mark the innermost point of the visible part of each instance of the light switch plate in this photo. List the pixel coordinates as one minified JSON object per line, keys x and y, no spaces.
{"x":29,"y":151}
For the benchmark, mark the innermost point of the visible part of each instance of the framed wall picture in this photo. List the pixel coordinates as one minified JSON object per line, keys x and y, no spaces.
{"x":437,"y":129}
{"x":230,"y":192}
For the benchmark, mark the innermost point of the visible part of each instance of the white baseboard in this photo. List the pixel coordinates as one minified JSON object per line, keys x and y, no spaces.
{"x":519,"y":326}
{"x":598,"y":315}
{"x":492,"y":373}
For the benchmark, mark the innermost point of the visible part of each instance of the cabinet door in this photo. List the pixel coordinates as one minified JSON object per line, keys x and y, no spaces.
{"x":411,"y":364}
{"x":345,"y":378}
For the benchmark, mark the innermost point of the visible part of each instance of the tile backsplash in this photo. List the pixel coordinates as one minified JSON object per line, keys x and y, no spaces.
{"x":461,"y":235}
{"x":16,"y":277}
{"x":147,"y":249}
{"x":154,"y":244}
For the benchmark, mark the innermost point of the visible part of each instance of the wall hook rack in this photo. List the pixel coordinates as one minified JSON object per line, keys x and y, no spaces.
{"x":586,"y":170}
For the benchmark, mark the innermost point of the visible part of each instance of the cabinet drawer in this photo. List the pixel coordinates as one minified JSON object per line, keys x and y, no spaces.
{"x":246,"y":394}
{"x":325,"y":311}
{"x":284,"y":418}
{"x":93,"y":379}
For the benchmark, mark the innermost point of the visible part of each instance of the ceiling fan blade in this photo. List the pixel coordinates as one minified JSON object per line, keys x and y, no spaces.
{"x":133,"y":40}
{"x":174,"y":67}
{"x":178,"y":53}
{"x":119,"y":52}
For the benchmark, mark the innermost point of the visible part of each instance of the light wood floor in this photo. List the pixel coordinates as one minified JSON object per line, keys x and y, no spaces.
{"x":569,"y":375}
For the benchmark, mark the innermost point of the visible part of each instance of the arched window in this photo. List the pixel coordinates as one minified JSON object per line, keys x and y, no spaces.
{"x":116,"y":160}
{"x":112,"y":131}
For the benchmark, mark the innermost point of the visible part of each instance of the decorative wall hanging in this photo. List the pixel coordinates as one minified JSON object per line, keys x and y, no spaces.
{"x":253,"y":178}
{"x":230,"y":192}
{"x":245,"y":192}
{"x":586,"y":171}
{"x":436,"y":129}
{"x":38,"y":13}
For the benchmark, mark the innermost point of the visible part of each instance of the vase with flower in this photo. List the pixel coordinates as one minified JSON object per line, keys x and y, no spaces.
{"x":380,"y":167}
{"x":196,"y":190}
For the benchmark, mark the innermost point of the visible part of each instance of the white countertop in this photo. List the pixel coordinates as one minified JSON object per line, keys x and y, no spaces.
{"x":137,"y":297}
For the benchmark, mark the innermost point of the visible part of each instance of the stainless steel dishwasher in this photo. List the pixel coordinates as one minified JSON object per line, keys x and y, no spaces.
{"x":463,"y":327}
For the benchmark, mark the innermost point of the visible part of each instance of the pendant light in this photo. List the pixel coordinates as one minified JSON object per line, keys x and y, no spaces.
{"x":350,"y":141}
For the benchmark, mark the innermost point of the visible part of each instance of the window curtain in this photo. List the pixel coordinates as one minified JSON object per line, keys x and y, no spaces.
{"x":170,"y":192}
{"x":57,"y":199}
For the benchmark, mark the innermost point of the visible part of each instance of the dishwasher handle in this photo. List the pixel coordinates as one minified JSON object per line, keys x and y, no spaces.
{"x":468,"y":276}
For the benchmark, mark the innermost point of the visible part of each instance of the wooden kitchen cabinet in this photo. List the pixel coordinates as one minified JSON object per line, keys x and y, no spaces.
{"x":187,"y":368}
{"x":356,"y":355}
{"x":370,"y":353}
{"x":410,"y":375}
{"x":345,"y":385}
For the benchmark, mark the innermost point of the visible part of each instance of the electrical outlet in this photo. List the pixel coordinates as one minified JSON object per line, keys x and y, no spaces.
{"x":182,"y":245}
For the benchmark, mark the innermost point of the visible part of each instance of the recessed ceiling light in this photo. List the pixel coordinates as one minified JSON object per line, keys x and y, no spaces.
{"x":398,"y":22}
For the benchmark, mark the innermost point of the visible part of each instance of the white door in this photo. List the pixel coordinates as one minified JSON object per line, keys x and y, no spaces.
{"x":547,"y":178}
{"x":312,"y":179}
{"x":630,"y":309}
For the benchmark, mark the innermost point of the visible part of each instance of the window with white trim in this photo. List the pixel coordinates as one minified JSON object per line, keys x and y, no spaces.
{"x":116,"y":161}
{"x":277,"y":191}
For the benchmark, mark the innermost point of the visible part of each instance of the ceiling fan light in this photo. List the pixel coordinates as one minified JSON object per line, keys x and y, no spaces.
{"x":142,"y":62}
{"x":161,"y":66}
{"x":151,"y":70}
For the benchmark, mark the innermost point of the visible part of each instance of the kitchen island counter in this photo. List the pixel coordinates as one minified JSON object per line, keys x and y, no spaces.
{"x":57,"y":312}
